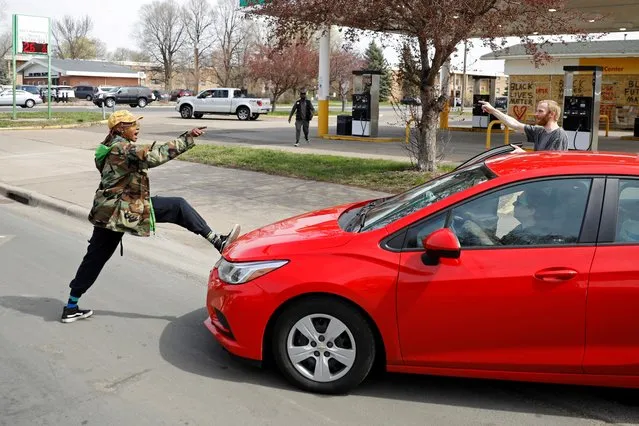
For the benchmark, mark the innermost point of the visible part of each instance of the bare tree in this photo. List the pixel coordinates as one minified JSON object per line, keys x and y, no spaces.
{"x":436,"y":27}
{"x":283,"y":69}
{"x":3,"y":11}
{"x":162,"y":34}
{"x":6,"y":44}
{"x":124,"y":54}
{"x":73,"y":41}
{"x":343,"y":63}
{"x":198,"y":21}
{"x":230,"y":27}
{"x":251,"y":42}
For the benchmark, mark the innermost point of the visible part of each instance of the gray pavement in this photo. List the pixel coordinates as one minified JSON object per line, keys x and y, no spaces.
{"x":59,"y":164}
{"x":146,"y":358}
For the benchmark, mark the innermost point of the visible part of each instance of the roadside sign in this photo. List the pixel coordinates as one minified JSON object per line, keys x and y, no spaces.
{"x":31,"y":35}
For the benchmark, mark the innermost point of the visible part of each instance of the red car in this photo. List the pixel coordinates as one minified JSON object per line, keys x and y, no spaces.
{"x":517,"y":266}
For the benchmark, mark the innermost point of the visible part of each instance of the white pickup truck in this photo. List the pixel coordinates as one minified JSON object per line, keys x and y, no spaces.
{"x":223,"y":100}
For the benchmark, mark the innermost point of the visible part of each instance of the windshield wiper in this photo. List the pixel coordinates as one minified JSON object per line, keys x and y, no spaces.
{"x":361,"y":215}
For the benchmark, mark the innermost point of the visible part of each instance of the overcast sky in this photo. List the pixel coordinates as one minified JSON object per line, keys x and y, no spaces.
{"x":115,"y":20}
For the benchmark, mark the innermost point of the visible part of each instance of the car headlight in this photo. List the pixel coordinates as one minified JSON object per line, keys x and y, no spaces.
{"x":242,"y":272}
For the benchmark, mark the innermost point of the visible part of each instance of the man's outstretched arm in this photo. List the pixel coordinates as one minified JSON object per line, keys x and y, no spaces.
{"x":509,"y":121}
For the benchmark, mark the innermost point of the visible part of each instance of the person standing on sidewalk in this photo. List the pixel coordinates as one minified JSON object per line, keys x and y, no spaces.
{"x":303,"y":110}
{"x":546,"y":135}
{"x":123,"y":204}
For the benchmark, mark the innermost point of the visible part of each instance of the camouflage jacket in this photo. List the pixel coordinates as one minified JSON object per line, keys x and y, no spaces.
{"x":122,"y":202}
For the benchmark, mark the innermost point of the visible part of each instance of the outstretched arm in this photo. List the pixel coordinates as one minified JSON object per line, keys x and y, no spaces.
{"x":506,"y":119}
{"x":156,"y":154}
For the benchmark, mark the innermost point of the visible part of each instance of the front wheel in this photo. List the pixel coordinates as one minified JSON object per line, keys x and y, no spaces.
{"x":109,"y":102}
{"x":323,"y":345}
{"x":186,"y":111}
{"x":89,"y":98}
{"x":243,"y":113}
{"x":142,"y":102}
{"x":30,"y":103}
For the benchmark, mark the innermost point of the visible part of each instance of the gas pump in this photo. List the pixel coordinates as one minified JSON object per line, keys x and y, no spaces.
{"x":482,"y":119}
{"x":581,"y":113}
{"x":365,"y":103}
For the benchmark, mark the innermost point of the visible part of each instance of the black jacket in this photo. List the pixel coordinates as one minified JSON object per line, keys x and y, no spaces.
{"x":298,"y":113}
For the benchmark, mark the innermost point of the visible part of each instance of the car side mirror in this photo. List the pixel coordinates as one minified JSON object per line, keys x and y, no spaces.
{"x":442,"y":243}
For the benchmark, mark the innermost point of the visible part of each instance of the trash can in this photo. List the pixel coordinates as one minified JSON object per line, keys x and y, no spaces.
{"x":636,"y":133}
{"x":344,"y":125}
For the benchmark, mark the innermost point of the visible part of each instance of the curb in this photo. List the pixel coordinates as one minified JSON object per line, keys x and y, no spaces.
{"x":361,"y":139}
{"x":35,"y":199}
{"x":59,"y":126}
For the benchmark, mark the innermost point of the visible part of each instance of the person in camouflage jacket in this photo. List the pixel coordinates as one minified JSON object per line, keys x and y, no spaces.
{"x":123,"y":202}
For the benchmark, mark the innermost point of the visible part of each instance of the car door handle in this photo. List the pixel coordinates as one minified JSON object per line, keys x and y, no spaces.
{"x":555,"y":274}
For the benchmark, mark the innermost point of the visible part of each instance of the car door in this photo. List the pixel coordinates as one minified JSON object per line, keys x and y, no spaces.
{"x":612,"y":333}
{"x":203,"y":102}
{"x":6,"y":97}
{"x":515,"y":299}
{"x":221,"y":101}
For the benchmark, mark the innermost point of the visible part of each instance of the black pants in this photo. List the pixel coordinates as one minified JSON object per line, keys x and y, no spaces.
{"x":103,"y":242}
{"x":301,"y":125}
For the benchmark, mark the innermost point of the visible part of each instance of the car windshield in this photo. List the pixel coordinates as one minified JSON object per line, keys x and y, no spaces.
{"x":401,"y":205}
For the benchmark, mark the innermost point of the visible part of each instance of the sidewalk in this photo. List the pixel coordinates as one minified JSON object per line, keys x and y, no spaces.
{"x":56,"y":169}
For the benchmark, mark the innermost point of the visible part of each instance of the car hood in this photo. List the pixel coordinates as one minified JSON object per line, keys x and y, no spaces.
{"x":309,"y":232}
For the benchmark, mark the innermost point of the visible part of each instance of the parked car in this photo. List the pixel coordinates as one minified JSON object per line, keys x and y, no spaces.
{"x":24,"y":99}
{"x":520,"y":266}
{"x":132,"y":95}
{"x":29,"y":88}
{"x":105,"y":89}
{"x":411,"y":100}
{"x":178,"y":93}
{"x":85,"y":92}
{"x":161,"y":95}
{"x":224,"y":101}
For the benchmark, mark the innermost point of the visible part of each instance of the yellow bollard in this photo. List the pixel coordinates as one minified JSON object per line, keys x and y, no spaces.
{"x":322,"y":117}
{"x":408,"y":129}
{"x":489,"y":132}
{"x":443,"y":117}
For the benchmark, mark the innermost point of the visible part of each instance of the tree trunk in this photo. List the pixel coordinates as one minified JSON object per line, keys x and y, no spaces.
{"x":427,"y":133}
{"x":168,"y":71}
{"x":343,"y":103}
{"x":196,"y":69}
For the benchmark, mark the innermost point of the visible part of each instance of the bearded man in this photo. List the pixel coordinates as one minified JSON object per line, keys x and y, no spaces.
{"x":546,"y":135}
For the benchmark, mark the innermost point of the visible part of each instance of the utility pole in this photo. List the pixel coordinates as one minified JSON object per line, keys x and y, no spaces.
{"x":463,"y":94}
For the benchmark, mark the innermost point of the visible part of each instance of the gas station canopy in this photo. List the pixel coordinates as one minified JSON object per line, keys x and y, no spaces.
{"x":608,"y":15}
